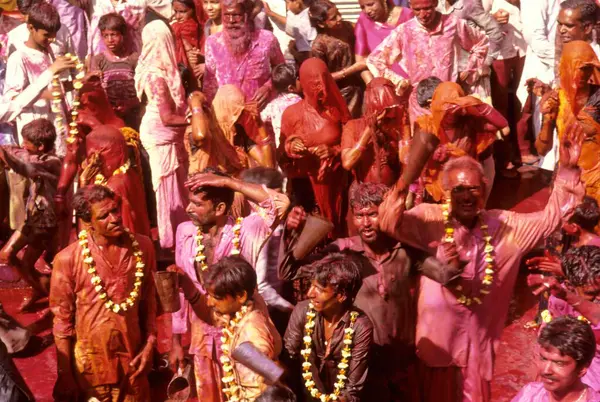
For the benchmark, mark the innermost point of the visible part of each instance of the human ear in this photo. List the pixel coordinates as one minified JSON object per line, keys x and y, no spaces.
{"x":242,"y":298}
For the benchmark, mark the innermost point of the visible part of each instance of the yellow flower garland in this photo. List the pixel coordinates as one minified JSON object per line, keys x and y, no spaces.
{"x":342,"y":365}
{"x":231,"y":388}
{"x":57,"y":101}
{"x":99,"y":179}
{"x":201,"y":258}
{"x":490,"y":263}
{"x":97,"y":281}
{"x":547,"y":317}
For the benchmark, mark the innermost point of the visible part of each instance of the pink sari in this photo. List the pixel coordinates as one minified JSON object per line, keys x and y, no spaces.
{"x":157,"y":77}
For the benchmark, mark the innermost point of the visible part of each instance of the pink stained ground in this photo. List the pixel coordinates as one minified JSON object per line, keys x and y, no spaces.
{"x":515,"y":360}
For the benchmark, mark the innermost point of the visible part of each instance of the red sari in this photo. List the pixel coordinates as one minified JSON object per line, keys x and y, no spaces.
{"x":317,"y":120}
{"x":109,"y":143}
{"x":380,"y":161}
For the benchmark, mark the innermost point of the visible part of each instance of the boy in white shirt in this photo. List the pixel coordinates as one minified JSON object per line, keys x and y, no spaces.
{"x":31,"y":63}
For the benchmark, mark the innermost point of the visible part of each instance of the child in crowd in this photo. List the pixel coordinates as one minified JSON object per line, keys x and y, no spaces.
{"x":334,"y":44}
{"x":36,"y":162}
{"x":284,"y":83}
{"x":61,"y":45}
{"x":189,"y":42}
{"x":212,"y":9}
{"x":297,"y":25}
{"x":116,"y":65}
{"x":31,"y":65}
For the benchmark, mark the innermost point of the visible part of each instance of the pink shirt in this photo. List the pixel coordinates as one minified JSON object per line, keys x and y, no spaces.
{"x":256,"y":229}
{"x":535,"y":392}
{"x":426,"y":53}
{"x":249,"y":72}
{"x":559,"y":308}
{"x":450,"y":334}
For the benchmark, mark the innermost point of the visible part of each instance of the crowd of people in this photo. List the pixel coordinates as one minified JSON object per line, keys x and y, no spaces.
{"x":316,"y":186}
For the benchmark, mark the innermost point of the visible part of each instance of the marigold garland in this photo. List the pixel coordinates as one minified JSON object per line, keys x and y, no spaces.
{"x":97,"y":281}
{"x":201,"y":258}
{"x":57,"y":101}
{"x":342,"y":365}
{"x":99,"y":179}
{"x":490,"y":263}
{"x":547,"y":317}
{"x":231,"y":389}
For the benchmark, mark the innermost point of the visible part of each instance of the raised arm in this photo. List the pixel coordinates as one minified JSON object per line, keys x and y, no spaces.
{"x":528,"y":230}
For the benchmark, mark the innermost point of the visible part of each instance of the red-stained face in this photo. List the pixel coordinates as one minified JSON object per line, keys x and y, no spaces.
{"x":234,"y":20}
{"x":106,"y":218}
{"x":466,"y":193}
{"x":367,"y":222}
{"x":324,"y":298}
{"x":558,"y":372}
{"x":425,"y":12}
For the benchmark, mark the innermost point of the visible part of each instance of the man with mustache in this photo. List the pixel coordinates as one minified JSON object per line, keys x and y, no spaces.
{"x":429,"y":45}
{"x":580,"y":267}
{"x":241,"y":54}
{"x":566,"y":348}
{"x":459,"y":326}
{"x":209,"y":236}
{"x":386,"y":294}
{"x":102,"y":294}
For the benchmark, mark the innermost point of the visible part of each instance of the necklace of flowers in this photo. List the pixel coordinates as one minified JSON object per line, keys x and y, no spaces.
{"x":99,"y":179}
{"x":57,"y":101}
{"x":231,"y":388}
{"x":201,"y":258}
{"x":547,"y":317}
{"x":490,"y":263}
{"x":342,"y":365}
{"x":97,"y":282}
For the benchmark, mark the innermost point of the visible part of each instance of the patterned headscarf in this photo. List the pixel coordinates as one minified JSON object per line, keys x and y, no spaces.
{"x":577,"y":55}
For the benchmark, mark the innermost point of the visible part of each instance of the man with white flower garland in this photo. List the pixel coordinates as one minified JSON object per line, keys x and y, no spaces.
{"x":328,"y":335}
{"x":209,"y":236}
{"x":102,"y":294}
{"x":459,"y":326}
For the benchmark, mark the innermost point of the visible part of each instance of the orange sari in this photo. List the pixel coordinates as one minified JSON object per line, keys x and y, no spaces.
{"x":464,"y":125}
{"x":578,"y":56}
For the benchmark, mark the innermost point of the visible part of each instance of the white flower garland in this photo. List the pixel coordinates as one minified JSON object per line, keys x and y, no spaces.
{"x":342,"y":365}
{"x":97,"y":281}
{"x":231,"y":388}
{"x":201,"y":258}
{"x":490,"y":263}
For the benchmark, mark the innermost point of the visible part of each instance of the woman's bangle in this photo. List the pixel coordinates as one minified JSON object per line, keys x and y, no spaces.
{"x":194,"y":299}
{"x":197,"y":110}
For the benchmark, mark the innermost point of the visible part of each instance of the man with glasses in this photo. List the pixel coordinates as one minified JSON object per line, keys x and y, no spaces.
{"x":459,"y":325}
{"x":241,"y":55}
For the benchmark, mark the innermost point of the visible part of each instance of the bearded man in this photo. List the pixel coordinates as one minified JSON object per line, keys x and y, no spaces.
{"x":102,"y":295}
{"x":459,"y":326}
{"x":386,"y":294}
{"x":241,"y":54}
